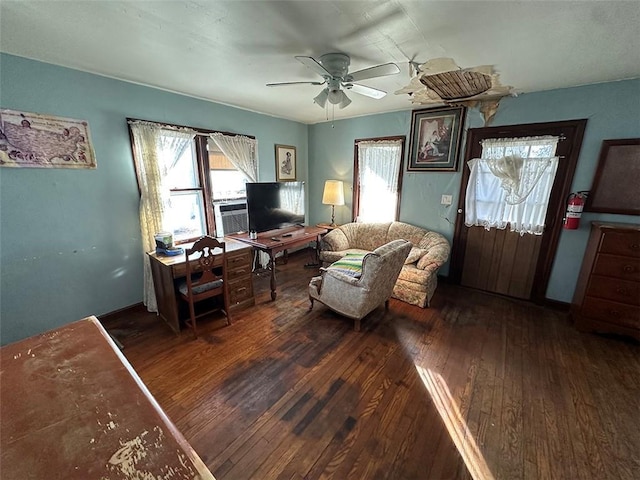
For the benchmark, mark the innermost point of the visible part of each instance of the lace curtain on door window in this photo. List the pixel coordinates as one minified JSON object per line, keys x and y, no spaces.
{"x":378,"y":175}
{"x":511,"y":184}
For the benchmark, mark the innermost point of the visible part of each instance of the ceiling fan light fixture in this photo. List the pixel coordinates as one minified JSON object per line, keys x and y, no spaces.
{"x":335,"y":96}
{"x":321,"y":98}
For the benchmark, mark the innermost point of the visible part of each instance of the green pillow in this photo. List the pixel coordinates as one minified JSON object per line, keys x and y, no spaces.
{"x":350,"y":264}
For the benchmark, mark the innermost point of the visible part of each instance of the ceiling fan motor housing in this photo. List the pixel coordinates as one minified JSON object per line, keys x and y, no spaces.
{"x":337,"y":64}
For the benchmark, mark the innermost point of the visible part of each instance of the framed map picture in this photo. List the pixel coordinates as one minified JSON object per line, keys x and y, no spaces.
{"x":44,"y":141}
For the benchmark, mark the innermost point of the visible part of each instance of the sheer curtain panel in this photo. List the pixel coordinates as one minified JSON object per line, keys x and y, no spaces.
{"x":241,"y":151}
{"x":378,"y":173}
{"x":155,"y":149}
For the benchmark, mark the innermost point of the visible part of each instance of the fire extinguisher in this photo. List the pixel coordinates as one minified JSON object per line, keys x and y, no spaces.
{"x":575,"y":204}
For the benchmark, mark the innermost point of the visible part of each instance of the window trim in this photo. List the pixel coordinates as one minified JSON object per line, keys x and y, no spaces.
{"x":355,"y":201}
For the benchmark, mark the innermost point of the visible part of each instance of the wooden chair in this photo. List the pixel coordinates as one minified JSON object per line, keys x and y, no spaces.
{"x":206,"y":278}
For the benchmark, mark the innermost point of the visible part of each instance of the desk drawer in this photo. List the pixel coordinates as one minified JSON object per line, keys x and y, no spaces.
{"x":240,"y":290}
{"x":611,"y":312}
{"x":239,"y":264}
{"x":614,"y":289}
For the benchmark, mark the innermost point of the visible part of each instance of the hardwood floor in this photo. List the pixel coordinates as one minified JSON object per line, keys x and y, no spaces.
{"x":478,"y":386}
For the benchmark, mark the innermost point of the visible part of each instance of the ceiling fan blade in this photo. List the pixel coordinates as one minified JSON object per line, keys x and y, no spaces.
{"x":311,"y":63}
{"x":284,"y":84}
{"x":377,"y":71}
{"x":368,"y":91}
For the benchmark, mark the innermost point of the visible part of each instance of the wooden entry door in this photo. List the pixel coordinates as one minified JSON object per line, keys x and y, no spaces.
{"x":501,"y":261}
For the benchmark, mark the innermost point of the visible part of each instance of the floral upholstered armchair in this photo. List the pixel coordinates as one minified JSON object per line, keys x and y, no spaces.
{"x":357,"y":284}
{"x":418,"y":278}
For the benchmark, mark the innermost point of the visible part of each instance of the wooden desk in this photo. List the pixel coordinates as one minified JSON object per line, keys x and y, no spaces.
{"x":73,"y":408}
{"x":276,"y":241}
{"x":168,"y":271}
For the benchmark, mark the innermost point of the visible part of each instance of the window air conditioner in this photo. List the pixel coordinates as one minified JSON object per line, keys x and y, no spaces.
{"x":230,"y":218}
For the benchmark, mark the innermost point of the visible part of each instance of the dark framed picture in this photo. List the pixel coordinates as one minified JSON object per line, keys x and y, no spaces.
{"x":617,"y":177}
{"x":285,"y":163}
{"x":435,"y":139}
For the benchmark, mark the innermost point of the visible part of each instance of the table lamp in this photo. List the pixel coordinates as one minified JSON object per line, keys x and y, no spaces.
{"x":333,"y":195}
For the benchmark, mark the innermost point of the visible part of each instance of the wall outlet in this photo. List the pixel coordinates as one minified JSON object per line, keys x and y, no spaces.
{"x":446,"y":199}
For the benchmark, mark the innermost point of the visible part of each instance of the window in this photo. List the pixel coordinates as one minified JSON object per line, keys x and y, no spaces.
{"x":192,"y":174}
{"x":227,"y":182}
{"x":186,"y":213}
{"x":511,"y":184}
{"x":377,"y":179}
{"x":174,"y":179}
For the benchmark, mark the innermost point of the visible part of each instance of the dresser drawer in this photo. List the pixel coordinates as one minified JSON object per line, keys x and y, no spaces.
{"x":614,"y":289}
{"x":621,"y":243}
{"x":240,"y":290}
{"x":611,"y":312}
{"x":626,"y":268}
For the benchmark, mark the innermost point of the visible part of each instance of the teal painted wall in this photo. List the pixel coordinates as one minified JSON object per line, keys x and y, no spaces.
{"x":612,"y":110}
{"x":70,"y":239}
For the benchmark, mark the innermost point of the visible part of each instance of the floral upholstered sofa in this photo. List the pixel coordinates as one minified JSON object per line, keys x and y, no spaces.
{"x":419,"y":275}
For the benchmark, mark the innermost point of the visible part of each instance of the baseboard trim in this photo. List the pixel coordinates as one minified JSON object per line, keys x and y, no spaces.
{"x":117,"y":314}
{"x":556,"y":304}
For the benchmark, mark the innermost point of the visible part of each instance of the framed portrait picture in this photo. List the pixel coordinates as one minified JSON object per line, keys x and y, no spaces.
{"x":615,"y":183}
{"x":435,"y":139}
{"x":285,"y":163}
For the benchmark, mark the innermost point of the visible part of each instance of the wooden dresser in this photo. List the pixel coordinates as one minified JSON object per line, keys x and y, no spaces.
{"x":607,"y":296}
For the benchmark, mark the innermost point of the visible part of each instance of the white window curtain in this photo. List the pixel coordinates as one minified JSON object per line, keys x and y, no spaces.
{"x":378,"y":173}
{"x":292,"y":198}
{"x":511,"y":184}
{"x":241,"y":151}
{"x":155,"y":149}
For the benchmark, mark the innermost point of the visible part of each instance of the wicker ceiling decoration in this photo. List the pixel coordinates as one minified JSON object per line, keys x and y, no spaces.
{"x":442,"y":81}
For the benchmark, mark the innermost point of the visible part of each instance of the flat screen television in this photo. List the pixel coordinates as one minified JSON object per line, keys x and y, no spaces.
{"x":273,"y":205}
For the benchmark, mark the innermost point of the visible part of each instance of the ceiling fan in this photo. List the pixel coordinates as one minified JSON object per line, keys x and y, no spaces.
{"x":334,"y":69}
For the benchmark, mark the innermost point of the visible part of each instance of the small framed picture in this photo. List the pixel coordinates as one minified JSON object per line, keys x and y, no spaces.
{"x":435,"y":139}
{"x":285,"y":163}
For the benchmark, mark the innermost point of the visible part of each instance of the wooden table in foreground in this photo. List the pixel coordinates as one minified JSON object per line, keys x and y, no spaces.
{"x":280,"y":240}
{"x":73,"y":408}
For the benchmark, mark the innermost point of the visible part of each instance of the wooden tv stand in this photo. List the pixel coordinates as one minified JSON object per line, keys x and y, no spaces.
{"x":280,"y":240}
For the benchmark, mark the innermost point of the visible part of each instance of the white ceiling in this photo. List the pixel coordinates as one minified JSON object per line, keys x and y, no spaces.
{"x":226,"y":51}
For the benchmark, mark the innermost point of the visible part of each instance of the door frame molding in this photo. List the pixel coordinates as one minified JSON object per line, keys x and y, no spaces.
{"x":571,"y":132}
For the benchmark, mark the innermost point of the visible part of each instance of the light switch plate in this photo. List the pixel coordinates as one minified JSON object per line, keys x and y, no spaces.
{"x":446,"y":199}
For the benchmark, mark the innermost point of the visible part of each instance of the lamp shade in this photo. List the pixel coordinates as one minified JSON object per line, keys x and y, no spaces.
{"x":333,"y":193}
